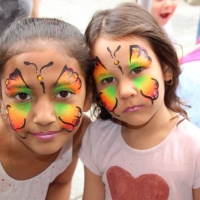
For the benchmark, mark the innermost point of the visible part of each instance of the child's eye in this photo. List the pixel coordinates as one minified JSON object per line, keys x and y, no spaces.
{"x":22,"y":96}
{"x":108,"y":80}
{"x":137,"y":70}
{"x":64,"y":94}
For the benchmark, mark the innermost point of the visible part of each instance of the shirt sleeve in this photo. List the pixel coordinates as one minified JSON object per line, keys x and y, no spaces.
{"x":89,"y":148}
{"x":197,"y":172}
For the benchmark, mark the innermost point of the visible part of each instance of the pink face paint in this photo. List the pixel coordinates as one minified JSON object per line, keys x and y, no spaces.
{"x":17,"y":112}
{"x":69,"y":115}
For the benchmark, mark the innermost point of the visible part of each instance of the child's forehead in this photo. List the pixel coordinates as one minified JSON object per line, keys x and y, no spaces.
{"x":47,"y":60}
{"x":105,"y":47}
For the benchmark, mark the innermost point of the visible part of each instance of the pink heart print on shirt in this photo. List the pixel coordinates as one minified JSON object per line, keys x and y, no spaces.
{"x":145,"y":187}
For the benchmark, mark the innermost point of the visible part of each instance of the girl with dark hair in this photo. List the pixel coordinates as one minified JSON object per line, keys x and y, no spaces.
{"x":43,"y":70}
{"x":142,"y":146}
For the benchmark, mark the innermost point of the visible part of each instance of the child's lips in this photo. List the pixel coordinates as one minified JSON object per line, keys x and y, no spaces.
{"x":165,"y":15}
{"x":132,"y":109}
{"x":45,"y":135}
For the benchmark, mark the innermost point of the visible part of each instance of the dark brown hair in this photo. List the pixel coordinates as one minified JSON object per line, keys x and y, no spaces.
{"x":35,"y":33}
{"x":127,"y":20}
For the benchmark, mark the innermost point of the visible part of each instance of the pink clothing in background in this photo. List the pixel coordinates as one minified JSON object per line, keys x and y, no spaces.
{"x":193,"y":56}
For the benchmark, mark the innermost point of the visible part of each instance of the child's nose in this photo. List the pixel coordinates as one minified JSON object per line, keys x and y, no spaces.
{"x":127,"y":89}
{"x":168,"y":3}
{"x":44,"y":113}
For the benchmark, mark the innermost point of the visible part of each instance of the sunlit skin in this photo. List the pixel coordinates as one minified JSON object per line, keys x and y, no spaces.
{"x":138,"y":93}
{"x":163,"y":10}
{"x":31,"y":111}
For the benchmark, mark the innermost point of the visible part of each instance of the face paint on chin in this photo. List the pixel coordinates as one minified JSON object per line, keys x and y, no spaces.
{"x":148,"y":87}
{"x":69,"y":115}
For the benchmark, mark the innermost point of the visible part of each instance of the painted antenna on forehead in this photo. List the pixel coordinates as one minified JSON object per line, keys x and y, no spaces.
{"x":146,"y":4}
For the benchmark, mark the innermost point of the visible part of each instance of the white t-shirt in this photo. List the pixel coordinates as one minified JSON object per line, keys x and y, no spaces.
{"x":168,"y":171}
{"x":36,"y":187}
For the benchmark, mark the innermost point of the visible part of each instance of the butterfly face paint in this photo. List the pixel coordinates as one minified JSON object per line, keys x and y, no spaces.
{"x":108,"y":99}
{"x":147,"y":85}
{"x":39,"y":77}
{"x":107,"y":95}
{"x":68,"y":114}
{"x":116,"y":62}
{"x":69,"y":79}
{"x":17,"y":112}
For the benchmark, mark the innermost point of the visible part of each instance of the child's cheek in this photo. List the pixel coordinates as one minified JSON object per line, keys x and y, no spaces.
{"x":108,"y":98}
{"x":69,"y":115}
{"x":148,"y":86}
{"x":17,"y":115}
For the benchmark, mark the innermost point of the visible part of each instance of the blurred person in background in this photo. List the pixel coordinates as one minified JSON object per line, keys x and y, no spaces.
{"x":163,"y":10}
{"x":10,"y":10}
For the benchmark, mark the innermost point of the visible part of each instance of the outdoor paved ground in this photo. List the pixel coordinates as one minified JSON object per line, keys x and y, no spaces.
{"x":79,"y":12}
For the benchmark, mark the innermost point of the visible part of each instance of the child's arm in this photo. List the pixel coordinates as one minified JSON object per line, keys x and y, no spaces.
{"x":35,"y":10}
{"x":94,"y":187}
{"x":196,"y":194}
{"x":60,"y":188}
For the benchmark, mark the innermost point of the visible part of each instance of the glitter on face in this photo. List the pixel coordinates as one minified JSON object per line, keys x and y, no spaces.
{"x":69,"y":115}
{"x":116,"y":62}
{"x":18,"y":111}
{"x":147,"y":85}
{"x":139,"y":57}
{"x":40,"y":77}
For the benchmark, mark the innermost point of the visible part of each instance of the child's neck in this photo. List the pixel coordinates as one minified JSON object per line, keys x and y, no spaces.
{"x":150,"y":134}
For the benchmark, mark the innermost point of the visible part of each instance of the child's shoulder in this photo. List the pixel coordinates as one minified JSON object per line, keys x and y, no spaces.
{"x":100,"y":124}
{"x":189,"y":131}
{"x":102,"y":128}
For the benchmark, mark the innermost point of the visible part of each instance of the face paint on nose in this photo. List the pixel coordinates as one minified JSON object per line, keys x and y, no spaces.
{"x":69,"y":115}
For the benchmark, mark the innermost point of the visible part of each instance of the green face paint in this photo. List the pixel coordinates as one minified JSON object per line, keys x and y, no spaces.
{"x":69,"y":115}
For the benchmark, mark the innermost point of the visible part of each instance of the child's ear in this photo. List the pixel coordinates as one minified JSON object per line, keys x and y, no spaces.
{"x":168,"y":74}
{"x":88,"y":101}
